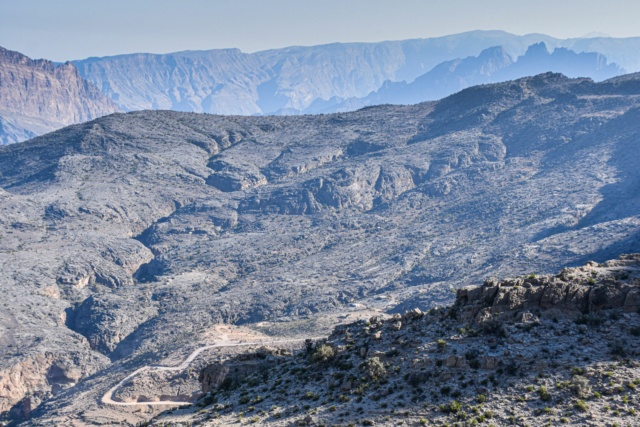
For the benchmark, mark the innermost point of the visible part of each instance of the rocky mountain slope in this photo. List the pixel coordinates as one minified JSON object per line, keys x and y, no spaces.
{"x":311,"y":79}
{"x":534,"y":350}
{"x":37,"y":97}
{"x":125,"y":241}
{"x":491,"y":66}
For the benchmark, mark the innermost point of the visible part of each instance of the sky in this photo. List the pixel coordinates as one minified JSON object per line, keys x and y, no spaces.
{"x":63,"y":30}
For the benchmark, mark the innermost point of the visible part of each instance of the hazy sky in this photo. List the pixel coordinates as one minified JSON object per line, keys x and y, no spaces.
{"x":74,"y":29}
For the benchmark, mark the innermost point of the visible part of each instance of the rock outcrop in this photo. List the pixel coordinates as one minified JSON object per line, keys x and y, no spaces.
{"x":589,"y":289}
{"x":234,"y":371}
{"x":38,"y":96}
{"x":560,"y":360}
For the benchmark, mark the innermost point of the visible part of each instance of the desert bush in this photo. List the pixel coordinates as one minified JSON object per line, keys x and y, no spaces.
{"x":452,"y":407}
{"x":545,"y":396}
{"x":322,"y":353}
{"x":581,"y":406}
{"x":374,"y":369}
{"x":580,"y":386}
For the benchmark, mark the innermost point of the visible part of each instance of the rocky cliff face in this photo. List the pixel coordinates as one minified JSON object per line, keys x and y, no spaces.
{"x":555,"y":349}
{"x":125,"y":240}
{"x":36,"y":97}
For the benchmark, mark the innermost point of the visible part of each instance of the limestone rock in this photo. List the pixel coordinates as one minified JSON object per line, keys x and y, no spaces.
{"x":495,"y":300}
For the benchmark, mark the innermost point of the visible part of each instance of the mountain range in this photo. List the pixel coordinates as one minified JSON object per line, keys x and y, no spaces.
{"x":492,"y":65}
{"x":299,"y":80}
{"x":294,"y":80}
{"x":126,"y":242}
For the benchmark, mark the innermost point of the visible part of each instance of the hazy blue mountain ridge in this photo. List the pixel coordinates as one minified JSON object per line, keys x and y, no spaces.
{"x":493,"y":65}
{"x":311,"y":79}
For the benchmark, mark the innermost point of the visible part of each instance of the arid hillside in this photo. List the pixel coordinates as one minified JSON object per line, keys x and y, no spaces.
{"x":124,"y":241}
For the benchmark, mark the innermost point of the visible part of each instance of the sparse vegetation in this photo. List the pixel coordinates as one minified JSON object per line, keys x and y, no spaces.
{"x":137,"y":237}
{"x":461,"y":380}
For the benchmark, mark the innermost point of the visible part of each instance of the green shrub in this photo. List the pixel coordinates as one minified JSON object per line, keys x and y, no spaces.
{"x":544,"y":394}
{"x":581,"y":405}
{"x":375,"y":369}
{"x":322,"y":353}
{"x":452,"y":407}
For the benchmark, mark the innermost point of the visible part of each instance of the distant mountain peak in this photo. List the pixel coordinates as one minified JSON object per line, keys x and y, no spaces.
{"x":537,"y":49}
{"x":338,"y":76}
{"x":494,"y":64}
{"x":313,"y":79}
{"x":494,"y":59}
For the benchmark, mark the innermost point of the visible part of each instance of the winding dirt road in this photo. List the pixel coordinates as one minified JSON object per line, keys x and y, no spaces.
{"x":107,"y":398}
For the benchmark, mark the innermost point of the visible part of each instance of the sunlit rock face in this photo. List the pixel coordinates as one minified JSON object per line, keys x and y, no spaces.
{"x":37,"y":96}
